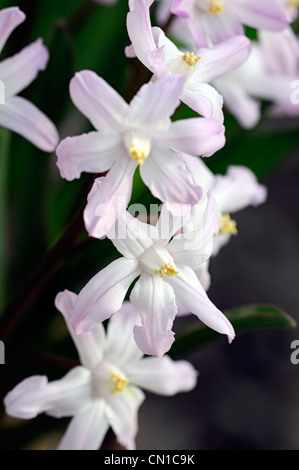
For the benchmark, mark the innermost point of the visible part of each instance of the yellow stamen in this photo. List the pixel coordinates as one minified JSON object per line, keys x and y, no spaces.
{"x":216,"y":7}
{"x":169,"y":270}
{"x":293,"y":4}
{"x":137,"y":154}
{"x":227,"y":225}
{"x":190,"y":59}
{"x":119,"y":384}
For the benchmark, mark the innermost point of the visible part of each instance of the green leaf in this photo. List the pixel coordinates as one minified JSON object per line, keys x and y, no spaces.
{"x":249,"y":317}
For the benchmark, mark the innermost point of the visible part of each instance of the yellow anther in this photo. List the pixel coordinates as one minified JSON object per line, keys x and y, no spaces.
{"x":292,"y":4}
{"x":119,"y":384}
{"x":190,"y":59}
{"x":167,"y":270}
{"x":227,"y":225}
{"x":216,"y":7}
{"x":137,"y":154}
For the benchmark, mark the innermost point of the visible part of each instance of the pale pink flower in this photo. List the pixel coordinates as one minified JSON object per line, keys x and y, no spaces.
{"x":140,"y":133}
{"x":106,"y":389}
{"x":267,"y":75}
{"x":213,"y":21}
{"x":16,"y":73}
{"x":166,"y":261}
{"x":201,"y":66}
{"x":234,"y":191}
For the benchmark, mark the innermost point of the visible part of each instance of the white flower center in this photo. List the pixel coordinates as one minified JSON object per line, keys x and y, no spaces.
{"x":157,"y":260}
{"x":227,"y":225}
{"x":216,"y":7}
{"x":138,"y":146}
{"x":184,"y":64}
{"x":107,"y":379}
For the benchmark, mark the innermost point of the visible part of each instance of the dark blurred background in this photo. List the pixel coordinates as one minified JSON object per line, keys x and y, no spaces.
{"x":247,"y":393}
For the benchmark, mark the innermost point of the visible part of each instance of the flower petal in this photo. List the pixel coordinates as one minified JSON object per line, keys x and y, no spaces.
{"x":222,"y":59}
{"x":140,"y":29}
{"x":24,"y":118}
{"x":130,"y":236}
{"x":193,"y":136}
{"x":120,"y":345}
{"x":93,"y":153}
{"x":165,"y":173}
{"x":204,"y":99}
{"x":103,"y":295}
{"x":162,"y":375}
{"x":86,"y":430}
{"x":10,"y":18}
{"x":156,"y":102}
{"x":195,"y":247}
{"x":155,"y":301}
{"x":191,"y":295}
{"x":246,"y":109}
{"x":98,"y":101}
{"x":90,"y":345}
{"x":19,"y":71}
{"x":266,"y":15}
{"x":122,"y":415}
{"x":109,"y":197}
{"x":238,"y":189}
{"x":64,"y":397}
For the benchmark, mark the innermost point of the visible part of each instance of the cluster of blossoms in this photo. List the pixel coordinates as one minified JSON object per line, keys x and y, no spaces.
{"x":168,"y":261}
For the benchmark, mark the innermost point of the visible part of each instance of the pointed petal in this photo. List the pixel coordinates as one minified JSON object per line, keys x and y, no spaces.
{"x":217,"y":28}
{"x":120,"y":345}
{"x":64,"y":397}
{"x":266,"y":15}
{"x":195,"y":248}
{"x":222,"y":59}
{"x":204,"y":99}
{"x":168,"y":224}
{"x":182,"y":8}
{"x":140,"y":29}
{"x":238,"y":189}
{"x":98,"y":101}
{"x":24,"y":118}
{"x":191,"y":295}
{"x":122,"y":415}
{"x":156,"y":102}
{"x":162,"y":375}
{"x":193,"y":136}
{"x":155,"y":300}
{"x":130,"y":236}
{"x":166,"y":175}
{"x":246,"y":109}
{"x":19,"y":71}
{"x":94,"y":152}
{"x":109,"y":197}
{"x":103,"y":295}
{"x":86,"y":430}
{"x":201,"y":174}
{"x":90,"y":345}
{"x":10,"y":18}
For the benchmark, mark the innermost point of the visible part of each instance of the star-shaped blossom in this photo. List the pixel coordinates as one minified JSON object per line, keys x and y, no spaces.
{"x":16,"y":73}
{"x":213,"y":21}
{"x":164,"y":261}
{"x":106,"y":389}
{"x":201,"y":66}
{"x":267,"y":75}
{"x":234,"y":191}
{"x":136,"y":134}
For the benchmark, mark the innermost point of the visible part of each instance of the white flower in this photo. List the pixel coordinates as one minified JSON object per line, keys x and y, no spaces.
{"x":104,"y":391}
